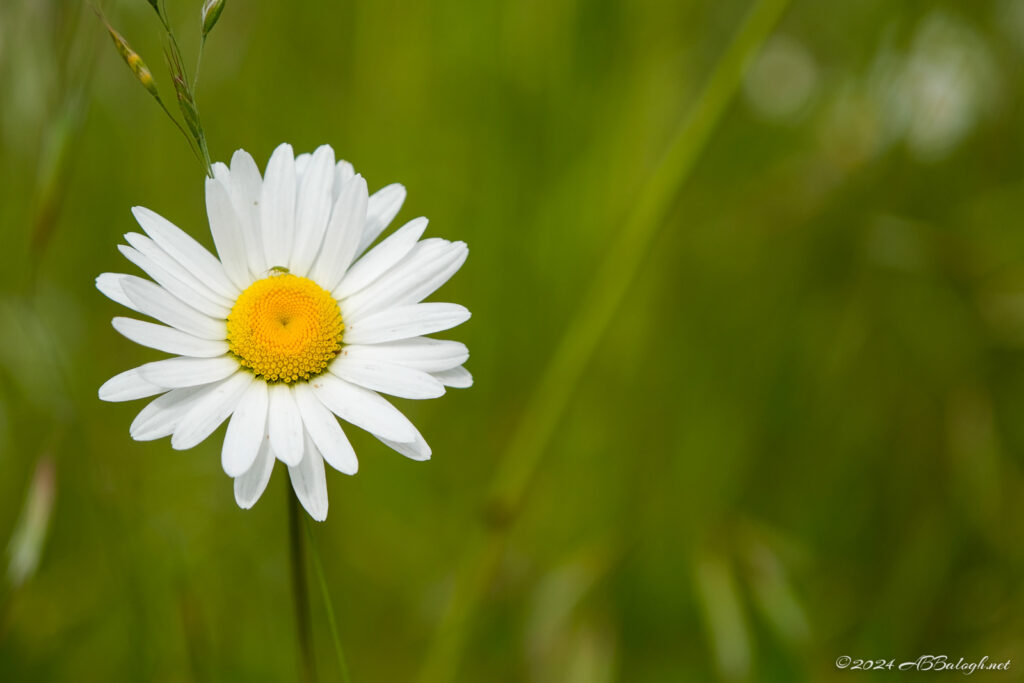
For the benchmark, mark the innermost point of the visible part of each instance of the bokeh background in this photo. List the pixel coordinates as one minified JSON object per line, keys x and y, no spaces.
{"x":800,"y":435}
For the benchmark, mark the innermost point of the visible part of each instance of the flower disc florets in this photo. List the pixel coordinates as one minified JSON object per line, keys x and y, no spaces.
{"x":285,"y":328}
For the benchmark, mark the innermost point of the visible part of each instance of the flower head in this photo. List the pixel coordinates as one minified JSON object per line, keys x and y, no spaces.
{"x":291,"y":326}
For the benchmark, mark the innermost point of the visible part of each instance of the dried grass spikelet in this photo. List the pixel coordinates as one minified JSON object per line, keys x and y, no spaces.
{"x":134,"y":62}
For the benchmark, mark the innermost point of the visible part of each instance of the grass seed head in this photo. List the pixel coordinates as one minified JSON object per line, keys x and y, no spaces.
{"x":134,"y":62}
{"x":211,"y":13}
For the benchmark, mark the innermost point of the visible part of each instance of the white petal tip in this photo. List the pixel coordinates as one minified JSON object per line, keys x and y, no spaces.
{"x":231,"y":469}
{"x":244,"y":504}
{"x":178,"y":445}
{"x":290,"y":459}
{"x":104,"y":281}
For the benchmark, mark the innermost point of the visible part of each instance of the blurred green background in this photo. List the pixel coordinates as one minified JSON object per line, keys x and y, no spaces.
{"x":799,"y":437}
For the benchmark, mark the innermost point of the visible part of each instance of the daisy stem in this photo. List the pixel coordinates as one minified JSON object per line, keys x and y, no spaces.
{"x":599,"y":305}
{"x":318,"y":568}
{"x":300,"y":592}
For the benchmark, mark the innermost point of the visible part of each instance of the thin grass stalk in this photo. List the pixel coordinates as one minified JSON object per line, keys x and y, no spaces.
{"x":544,"y":412}
{"x":199,"y":64}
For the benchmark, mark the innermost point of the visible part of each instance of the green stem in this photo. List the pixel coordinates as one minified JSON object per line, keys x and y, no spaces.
{"x":203,"y":153}
{"x":170,"y":33}
{"x":199,"y":62}
{"x":544,"y":412}
{"x":188,"y":138}
{"x":206,"y":153}
{"x":318,"y":568}
{"x":300,"y":592}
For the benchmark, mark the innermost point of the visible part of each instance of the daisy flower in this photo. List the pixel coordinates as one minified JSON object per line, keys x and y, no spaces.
{"x":291,"y":326}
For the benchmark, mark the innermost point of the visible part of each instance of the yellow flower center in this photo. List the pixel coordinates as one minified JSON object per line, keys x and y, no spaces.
{"x":285,"y":328}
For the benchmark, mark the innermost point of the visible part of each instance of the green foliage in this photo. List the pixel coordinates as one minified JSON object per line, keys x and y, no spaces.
{"x":798,"y":437}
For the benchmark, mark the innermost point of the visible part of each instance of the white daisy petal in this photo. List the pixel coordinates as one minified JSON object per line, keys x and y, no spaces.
{"x":343,"y":172}
{"x":109,"y":285}
{"x":381,"y":258}
{"x":313,"y":209}
{"x":277,"y":207}
{"x":176,"y":373}
{"x":156,"y":302}
{"x":440,"y":272}
{"x":284,"y":424}
{"x":160,"y":417}
{"x":457,"y":378}
{"x":421,"y":353}
{"x":209,"y":411}
{"x":171,"y":284}
{"x":245,"y":431}
{"x":323,"y":428}
{"x":301,"y":164}
{"x":128,"y":386}
{"x":417,"y":449}
{"x":343,"y":233}
{"x":402,"y":322}
{"x":168,"y":339}
{"x":221,"y":173}
{"x":251,"y":485}
{"x":246,"y":188}
{"x":152,"y":250}
{"x":310,"y":482}
{"x":387,"y":378}
{"x":186,"y":251}
{"x":428,"y":266}
{"x":363,"y":408}
{"x":430,"y":279}
{"x":380,"y":211}
{"x":227,"y":232}
{"x":426,"y":257}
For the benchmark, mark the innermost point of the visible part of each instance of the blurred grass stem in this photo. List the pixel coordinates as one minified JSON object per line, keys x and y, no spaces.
{"x":300,"y":592}
{"x":599,"y":305}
